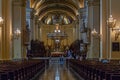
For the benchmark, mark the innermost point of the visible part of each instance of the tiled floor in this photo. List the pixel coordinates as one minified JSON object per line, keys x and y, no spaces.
{"x":57,"y":71}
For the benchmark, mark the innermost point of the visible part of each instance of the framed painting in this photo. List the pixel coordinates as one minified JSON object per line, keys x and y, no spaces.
{"x":115,"y":46}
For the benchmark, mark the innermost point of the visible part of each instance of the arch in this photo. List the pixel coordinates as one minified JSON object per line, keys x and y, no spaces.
{"x":72,"y":7}
{"x":53,"y":10}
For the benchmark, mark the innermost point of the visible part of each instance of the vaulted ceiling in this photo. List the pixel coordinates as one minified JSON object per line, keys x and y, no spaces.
{"x":51,"y":9}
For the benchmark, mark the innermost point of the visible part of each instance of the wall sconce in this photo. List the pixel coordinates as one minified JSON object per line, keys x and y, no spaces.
{"x":17,"y":33}
{"x":117,"y":32}
{"x":111,"y":22}
{"x":1,"y":20}
{"x":95,"y":34}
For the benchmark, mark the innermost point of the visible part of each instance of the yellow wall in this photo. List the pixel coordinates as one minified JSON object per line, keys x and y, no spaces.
{"x":116,"y":14}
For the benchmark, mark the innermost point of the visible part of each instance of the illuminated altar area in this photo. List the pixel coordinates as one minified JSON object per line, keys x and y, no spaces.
{"x":57,"y":37}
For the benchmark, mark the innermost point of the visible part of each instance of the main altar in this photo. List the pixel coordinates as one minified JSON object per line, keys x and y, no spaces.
{"x":57,"y":37}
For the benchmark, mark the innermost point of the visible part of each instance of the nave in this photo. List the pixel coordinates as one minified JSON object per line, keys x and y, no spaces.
{"x":87,"y":31}
{"x":58,"y":70}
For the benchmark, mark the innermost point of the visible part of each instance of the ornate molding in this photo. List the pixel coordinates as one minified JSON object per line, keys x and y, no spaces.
{"x":21,"y":3}
{"x":93,"y":3}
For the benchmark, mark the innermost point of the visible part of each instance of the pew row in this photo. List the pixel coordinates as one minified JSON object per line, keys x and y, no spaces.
{"x":20,"y":70}
{"x":95,"y":70}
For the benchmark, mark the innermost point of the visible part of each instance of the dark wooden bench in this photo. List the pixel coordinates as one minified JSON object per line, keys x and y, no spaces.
{"x":20,"y":70}
{"x":95,"y":70}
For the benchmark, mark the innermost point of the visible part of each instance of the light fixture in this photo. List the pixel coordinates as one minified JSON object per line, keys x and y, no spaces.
{"x":17,"y":34}
{"x":95,"y":34}
{"x":111,"y":22}
{"x":1,"y":20}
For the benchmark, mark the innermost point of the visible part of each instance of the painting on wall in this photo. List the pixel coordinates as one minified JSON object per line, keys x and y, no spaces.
{"x":115,"y":46}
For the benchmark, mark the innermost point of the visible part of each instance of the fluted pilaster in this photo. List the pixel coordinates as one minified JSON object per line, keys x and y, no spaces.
{"x":19,"y":21}
{"x":36,"y":27}
{"x":32,"y":23}
{"x":94,"y":22}
{"x":5,"y":30}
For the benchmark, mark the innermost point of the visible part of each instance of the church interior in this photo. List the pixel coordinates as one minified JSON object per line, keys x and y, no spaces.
{"x":59,"y":40}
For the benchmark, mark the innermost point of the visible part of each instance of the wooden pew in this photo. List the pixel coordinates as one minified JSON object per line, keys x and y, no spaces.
{"x":20,"y":70}
{"x":95,"y":70}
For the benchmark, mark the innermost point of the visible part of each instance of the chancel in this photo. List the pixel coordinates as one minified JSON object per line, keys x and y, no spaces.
{"x":59,"y":40}
{"x":57,"y":36}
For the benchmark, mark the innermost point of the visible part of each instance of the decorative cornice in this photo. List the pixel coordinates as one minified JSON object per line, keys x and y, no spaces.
{"x":21,"y":3}
{"x":94,"y":3}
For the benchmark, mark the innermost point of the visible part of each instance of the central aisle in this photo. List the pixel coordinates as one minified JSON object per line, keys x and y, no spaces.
{"x":57,"y":71}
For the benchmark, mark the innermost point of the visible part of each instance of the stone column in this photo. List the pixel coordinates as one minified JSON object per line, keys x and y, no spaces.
{"x":5,"y":29}
{"x":28,"y":28}
{"x":39,"y":31}
{"x":79,"y":36}
{"x":80,"y":21}
{"x":19,"y":21}
{"x":105,"y":43}
{"x":36,"y":27}
{"x":0,"y":8}
{"x":82,"y":24}
{"x":74,"y":31}
{"x":32,"y":24}
{"x":94,"y":22}
{"x":0,"y":42}
{"x":77,"y":29}
{"x":0,"y":30}
{"x":28,"y":21}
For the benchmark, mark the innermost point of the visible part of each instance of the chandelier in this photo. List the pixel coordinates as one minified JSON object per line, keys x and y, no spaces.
{"x":57,"y":34}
